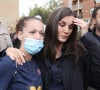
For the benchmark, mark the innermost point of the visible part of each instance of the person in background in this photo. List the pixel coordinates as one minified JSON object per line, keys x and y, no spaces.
{"x":30,"y":33}
{"x":91,"y":26}
{"x":5,"y":40}
{"x":91,"y":41}
{"x":15,"y":40}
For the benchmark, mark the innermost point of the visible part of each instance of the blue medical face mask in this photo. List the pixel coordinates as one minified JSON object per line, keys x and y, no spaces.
{"x":33,"y":46}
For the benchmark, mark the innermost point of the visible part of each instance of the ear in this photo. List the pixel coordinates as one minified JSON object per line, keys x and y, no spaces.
{"x":20,"y":35}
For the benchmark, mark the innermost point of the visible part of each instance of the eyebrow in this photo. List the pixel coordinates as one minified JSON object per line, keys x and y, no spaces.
{"x":65,"y":22}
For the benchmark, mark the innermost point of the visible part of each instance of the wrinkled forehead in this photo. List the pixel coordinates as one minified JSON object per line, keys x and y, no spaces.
{"x":35,"y":24}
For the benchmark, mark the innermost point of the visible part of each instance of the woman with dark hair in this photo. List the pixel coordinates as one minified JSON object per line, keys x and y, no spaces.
{"x":62,"y":54}
{"x":61,"y":59}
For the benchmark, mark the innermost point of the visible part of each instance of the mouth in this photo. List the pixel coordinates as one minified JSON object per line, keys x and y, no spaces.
{"x":64,"y":37}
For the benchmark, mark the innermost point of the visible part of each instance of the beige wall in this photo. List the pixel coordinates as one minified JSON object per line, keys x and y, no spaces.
{"x":9,"y":11}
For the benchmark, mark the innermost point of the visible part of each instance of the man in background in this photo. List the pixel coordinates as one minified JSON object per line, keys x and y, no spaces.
{"x":5,"y":40}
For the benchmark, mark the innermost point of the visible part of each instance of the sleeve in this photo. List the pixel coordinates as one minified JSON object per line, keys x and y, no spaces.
{"x":7,"y":70}
{"x":91,"y":71}
{"x":86,"y":69}
{"x":91,"y":44}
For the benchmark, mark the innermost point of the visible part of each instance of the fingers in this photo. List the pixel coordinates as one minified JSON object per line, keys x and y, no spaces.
{"x":82,"y":24}
{"x":21,"y":56}
{"x":79,"y":22}
{"x":16,"y":54}
{"x":12,"y":57}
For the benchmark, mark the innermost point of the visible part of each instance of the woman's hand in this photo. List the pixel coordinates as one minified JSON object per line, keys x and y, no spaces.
{"x":82,"y":24}
{"x":16,"y":54}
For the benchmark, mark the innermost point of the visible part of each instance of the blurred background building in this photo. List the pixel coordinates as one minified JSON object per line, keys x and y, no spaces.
{"x":83,"y":8}
{"x":9,"y":12}
{"x":9,"y":9}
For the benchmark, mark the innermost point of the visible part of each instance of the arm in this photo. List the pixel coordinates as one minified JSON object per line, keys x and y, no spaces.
{"x":16,"y":54}
{"x":86,"y":71}
{"x":92,"y":44}
{"x":7,"y":70}
{"x":88,"y":40}
{"x":82,"y":24}
{"x":91,"y":71}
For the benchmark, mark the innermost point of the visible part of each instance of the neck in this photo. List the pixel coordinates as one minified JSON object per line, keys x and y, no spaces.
{"x":27,"y":56}
{"x":97,"y":32}
{"x":58,"y":50}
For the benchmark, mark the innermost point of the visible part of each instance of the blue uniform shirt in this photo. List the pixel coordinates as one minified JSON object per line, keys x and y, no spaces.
{"x":23,"y":77}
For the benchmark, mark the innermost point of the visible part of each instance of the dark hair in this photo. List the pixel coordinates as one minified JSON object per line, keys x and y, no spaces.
{"x":21,"y":24}
{"x":94,"y":13}
{"x":70,"y":47}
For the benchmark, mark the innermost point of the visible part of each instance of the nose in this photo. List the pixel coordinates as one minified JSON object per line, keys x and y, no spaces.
{"x":37,"y":36}
{"x":66,"y":29}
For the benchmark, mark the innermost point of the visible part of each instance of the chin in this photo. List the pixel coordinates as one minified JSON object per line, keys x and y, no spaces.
{"x":63,"y":40}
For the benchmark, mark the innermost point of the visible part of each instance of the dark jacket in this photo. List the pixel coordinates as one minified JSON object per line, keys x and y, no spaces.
{"x":92,"y":44}
{"x":72,"y":73}
{"x":92,"y":66}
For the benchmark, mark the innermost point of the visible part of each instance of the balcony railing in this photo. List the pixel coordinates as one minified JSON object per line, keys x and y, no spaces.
{"x":75,"y":7}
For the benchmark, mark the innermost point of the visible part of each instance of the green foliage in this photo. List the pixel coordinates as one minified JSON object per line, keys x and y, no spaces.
{"x":45,"y":11}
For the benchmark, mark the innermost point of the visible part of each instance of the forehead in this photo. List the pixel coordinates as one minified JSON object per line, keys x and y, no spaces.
{"x":33,"y":22}
{"x":68,"y":19}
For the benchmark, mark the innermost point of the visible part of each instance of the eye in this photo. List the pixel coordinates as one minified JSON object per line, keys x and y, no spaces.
{"x":62,"y":24}
{"x":71,"y":26}
{"x":42,"y":33}
{"x":32,"y":32}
